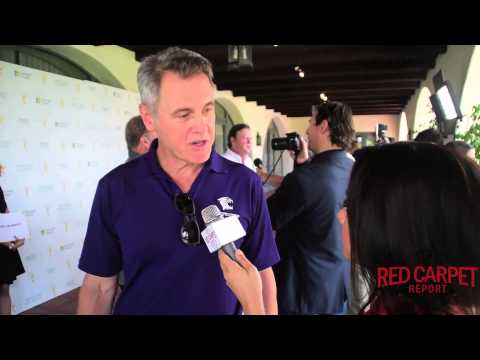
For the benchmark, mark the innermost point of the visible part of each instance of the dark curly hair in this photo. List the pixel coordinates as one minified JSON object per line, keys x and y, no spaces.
{"x":339,"y":118}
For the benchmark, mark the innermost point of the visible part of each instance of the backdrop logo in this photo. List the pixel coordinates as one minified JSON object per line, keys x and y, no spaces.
{"x":63,"y":166}
{"x":54,"y":291}
{"x":47,"y":210}
{"x":68,"y":246}
{"x":61,"y":82}
{"x":45,"y":168}
{"x":78,"y":146}
{"x":69,"y":264}
{"x":8,"y":192}
{"x":106,"y":108}
{"x":77,"y":105}
{"x":44,"y":78}
{"x":64,"y":207}
{"x":127,"y":113}
{"x":23,"y":121}
{"x":51,"y":270}
{"x":62,"y":103}
{"x":117,"y":94}
{"x":70,"y":283}
{"x":61,"y":124}
{"x":30,"y":257}
{"x":27,"y":191}
{"x":66,"y":227}
{"x":49,"y":231}
{"x":29,"y":213}
{"x":44,"y":144}
{"x":3,"y":95}
{"x":50,"y":250}
{"x":92,"y":164}
{"x":42,"y":101}
{"x":427,"y":279}
{"x":91,"y":88}
{"x":46,"y":188}
{"x":5,"y":144}
{"x":32,"y":277}
{"x":24,"y":99}
{"x":22,"y":74}
{"x":24,"y":168}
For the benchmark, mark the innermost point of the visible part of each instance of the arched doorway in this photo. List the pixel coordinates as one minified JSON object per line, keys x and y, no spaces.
{"x":270,"y":156}
{"x":403,"y":128}
{"x":223,"y":124}
{"x":424,"y":115}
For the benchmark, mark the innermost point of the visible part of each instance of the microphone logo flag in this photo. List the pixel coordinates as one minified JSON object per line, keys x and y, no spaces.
{"x":226,"y":203}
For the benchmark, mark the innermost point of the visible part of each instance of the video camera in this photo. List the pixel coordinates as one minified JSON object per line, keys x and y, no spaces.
{"x":290,"y":142}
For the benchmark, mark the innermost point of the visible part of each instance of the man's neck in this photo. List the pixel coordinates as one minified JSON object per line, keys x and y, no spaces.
{"x":242,"y":157}
{"x":327,"y":147}
{"x":181,"y":172}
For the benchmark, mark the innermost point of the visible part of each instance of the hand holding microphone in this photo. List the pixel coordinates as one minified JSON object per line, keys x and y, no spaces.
{"x":221,"y":230}
{"x":243,"y":278}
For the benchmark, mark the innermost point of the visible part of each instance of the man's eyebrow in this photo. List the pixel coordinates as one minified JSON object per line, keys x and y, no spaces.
{"x":188,"y":110}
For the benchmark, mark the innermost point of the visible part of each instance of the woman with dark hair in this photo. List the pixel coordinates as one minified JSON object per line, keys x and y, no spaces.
{"x":462,"y":148}
{"x":10,"y":263}
{"x":411,"y":206}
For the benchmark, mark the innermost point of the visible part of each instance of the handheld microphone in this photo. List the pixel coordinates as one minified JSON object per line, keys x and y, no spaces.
{"x":258,"y":163}
{"x":221,"y":230}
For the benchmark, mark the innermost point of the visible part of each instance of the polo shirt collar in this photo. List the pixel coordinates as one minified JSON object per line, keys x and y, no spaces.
{"x":214,"y":163}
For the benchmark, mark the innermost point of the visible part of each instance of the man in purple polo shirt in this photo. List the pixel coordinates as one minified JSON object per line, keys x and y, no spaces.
{"x":145,"y":217}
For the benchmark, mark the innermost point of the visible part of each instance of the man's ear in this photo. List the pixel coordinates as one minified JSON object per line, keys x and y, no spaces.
{"x":145,"y":142}
{"x":146,"y":117}
{"x":323,"y":126}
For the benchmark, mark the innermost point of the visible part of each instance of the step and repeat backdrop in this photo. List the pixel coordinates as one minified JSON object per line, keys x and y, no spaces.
{"x":58,"y":137}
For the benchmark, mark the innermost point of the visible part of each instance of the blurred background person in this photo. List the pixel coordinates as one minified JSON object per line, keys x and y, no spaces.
{"x":240,"y":146}
{"x":430,"y":136}
{"x":137,"y":137}
{"x":10,"y":263}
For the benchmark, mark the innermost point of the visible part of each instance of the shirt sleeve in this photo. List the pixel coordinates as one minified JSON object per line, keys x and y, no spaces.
{"x":287,"y":202}
{"x":260,"y":247}
{"x":101,"y":253}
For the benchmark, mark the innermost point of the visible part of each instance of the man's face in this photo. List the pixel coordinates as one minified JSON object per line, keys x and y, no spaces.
{"x":242,"y":142}
{"x":185,"y":117}
{"x":313,"y":134}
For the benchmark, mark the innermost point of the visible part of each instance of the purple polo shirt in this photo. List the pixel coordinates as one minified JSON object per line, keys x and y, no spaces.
{"x":134,"y":226}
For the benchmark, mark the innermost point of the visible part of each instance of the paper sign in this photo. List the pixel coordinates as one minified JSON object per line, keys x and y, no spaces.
{"x":13,"y":225}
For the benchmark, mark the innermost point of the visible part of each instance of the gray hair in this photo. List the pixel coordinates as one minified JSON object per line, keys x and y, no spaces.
{"x":180,"y":61}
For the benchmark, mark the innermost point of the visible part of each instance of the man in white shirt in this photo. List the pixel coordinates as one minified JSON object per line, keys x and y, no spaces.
{"x":240,"y":145}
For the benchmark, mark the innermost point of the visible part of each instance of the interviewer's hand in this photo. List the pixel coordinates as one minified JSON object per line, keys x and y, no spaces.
{"x":245,"y":282}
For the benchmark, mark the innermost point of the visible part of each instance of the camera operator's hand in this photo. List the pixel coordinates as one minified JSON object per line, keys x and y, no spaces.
{"x":303,"y":154}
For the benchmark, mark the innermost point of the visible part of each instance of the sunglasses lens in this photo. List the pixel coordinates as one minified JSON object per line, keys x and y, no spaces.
{"x":190,"y":233}
{"x":184,"y":203}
